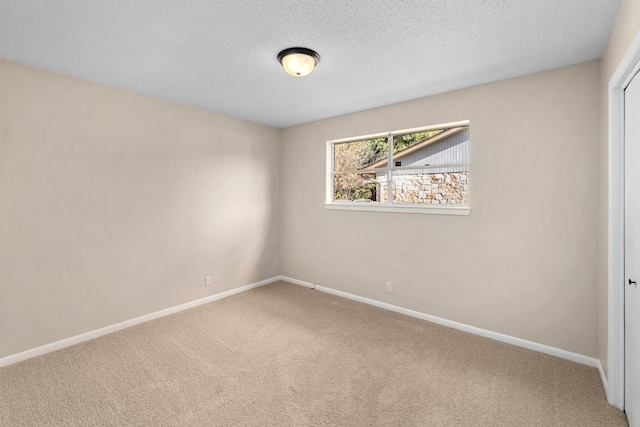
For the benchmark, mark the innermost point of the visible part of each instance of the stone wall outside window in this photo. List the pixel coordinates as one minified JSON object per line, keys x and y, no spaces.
{"x":446,"y":188}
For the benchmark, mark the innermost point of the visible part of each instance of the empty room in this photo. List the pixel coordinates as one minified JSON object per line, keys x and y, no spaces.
{"x":297,"y":213}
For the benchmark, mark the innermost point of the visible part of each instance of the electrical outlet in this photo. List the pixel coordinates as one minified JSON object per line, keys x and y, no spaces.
{"x":389,"y":287}
{"x":207,"y":281}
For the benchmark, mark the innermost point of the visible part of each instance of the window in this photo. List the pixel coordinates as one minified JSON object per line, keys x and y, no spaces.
{"x":415,"y":170}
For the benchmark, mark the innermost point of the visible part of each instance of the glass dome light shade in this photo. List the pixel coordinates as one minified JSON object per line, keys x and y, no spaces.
{"x":298,"y":62}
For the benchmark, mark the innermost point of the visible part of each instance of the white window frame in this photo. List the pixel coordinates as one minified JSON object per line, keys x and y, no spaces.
{"x":387,"y":205}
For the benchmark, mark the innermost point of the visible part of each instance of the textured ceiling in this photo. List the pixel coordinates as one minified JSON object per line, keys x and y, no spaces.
{"x":221,"y":55}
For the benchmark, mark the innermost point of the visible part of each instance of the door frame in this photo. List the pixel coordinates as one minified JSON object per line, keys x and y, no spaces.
{"x":626,"y":70}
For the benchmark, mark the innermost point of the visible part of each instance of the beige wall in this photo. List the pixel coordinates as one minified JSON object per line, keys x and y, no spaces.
{"x":115,"y":205}
{"x":523,"y":264}
{"x":625,"y":29}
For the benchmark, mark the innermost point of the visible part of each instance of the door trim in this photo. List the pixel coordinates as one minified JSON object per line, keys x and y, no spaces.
{"x":626,"y":70}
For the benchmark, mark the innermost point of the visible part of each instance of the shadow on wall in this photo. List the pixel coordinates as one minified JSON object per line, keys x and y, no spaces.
{"x":239,"y":220}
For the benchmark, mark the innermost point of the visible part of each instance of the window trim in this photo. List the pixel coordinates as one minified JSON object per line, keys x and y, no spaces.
{"x":415,"y":208}
{"x":387,"y":206}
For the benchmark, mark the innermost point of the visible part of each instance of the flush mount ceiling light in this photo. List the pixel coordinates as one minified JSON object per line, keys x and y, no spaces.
{"x":298,"y":61}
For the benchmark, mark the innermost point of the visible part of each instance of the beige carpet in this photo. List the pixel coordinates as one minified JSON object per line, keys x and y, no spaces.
{"x":283,"y":355}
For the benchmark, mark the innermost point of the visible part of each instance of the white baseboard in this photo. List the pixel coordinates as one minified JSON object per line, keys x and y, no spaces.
{"x":297,"y":282}
{"x":67,"y":342}
{"x":603,"y":378}
{"x":542,"y":348}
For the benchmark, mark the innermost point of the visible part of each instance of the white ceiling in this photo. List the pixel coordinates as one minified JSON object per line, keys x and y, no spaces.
{"x":221,"y":55}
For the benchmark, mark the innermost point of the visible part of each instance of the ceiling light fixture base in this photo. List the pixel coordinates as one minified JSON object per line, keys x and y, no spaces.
{"x":298,"y":61}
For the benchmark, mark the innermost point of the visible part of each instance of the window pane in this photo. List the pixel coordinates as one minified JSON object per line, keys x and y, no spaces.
{"x":356,"y":187}
{"x":436,"y":147}
{"x":429,"y":187}
{"x":358,"y":155}
{"x":402,"y":142}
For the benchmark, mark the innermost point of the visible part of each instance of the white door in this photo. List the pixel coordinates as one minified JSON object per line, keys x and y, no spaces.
{"x":632,"y":252}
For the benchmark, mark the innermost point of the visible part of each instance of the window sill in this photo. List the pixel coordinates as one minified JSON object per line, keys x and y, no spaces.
{"x":433,"y":210}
